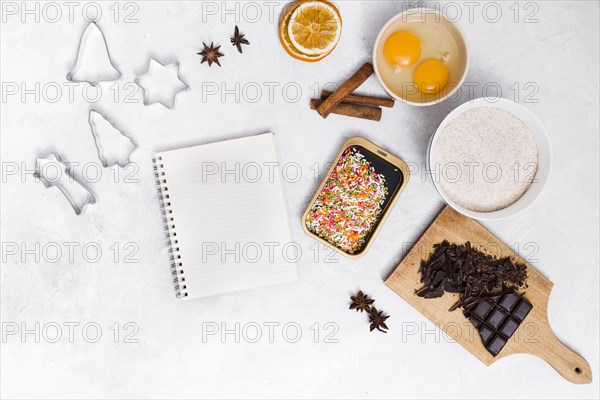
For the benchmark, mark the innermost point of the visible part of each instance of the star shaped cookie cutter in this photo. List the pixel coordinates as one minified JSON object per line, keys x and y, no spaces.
{"x":157,"y":77}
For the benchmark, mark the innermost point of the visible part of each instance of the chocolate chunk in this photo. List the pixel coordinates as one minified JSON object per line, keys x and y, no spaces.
{"x":438,"y":278}
{"x":497,"y":318}
{"x":429,"y":292}
{"x":465,"y":270}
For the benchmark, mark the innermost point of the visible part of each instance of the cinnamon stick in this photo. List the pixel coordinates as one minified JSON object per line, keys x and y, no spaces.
{"x":350,"y":110}
{"x":362,"y":99}
{"x":345,"y":89}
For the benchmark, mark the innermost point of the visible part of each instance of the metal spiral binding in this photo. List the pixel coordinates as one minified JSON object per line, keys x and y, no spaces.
{"x":169,"y":222}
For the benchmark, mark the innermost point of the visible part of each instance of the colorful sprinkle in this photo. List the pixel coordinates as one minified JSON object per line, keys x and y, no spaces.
{"x":350,"y":203}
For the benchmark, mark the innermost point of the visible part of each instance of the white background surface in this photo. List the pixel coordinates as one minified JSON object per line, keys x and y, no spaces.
{"x":558,"y":55}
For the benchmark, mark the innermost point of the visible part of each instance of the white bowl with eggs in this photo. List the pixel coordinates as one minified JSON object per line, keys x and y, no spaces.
{"x":420,"y":57}
{"x":489,"y":159}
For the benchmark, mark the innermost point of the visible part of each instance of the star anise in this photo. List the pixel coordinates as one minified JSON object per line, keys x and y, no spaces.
{"x":361,"y":302}
{"x":238,"y":39}
{"x":378,"y":320}
{"x":210,"y":54}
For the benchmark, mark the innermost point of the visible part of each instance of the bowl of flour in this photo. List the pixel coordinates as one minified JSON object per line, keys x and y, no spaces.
{"x":490,"y":158}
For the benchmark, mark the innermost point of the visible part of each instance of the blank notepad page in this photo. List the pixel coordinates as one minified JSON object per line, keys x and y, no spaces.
{"x":226,"y":216}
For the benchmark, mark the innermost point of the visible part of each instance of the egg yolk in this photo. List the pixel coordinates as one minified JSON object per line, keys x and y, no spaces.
{"x":431,"y":76}
{"x":402,"y":49}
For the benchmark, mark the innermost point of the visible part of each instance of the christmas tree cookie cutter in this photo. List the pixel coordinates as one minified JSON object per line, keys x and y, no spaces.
{"x":113,"y":146}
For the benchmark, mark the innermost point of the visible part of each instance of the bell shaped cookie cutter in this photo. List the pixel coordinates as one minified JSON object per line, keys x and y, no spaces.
{"x":93,"y":63}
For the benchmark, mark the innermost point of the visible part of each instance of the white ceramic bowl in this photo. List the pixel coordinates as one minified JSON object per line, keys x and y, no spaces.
{"x":430,"y":16}
{"x":544,"y":156}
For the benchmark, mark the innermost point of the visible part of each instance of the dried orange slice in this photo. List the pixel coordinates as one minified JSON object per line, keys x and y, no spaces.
{"x":310,"y":30}
{"x":315,"y":27}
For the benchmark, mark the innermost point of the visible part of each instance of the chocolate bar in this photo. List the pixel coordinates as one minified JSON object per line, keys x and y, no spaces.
{"x":497,"y":318}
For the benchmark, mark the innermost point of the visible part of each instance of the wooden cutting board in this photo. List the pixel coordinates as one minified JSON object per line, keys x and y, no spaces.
{"x":534,"y":335}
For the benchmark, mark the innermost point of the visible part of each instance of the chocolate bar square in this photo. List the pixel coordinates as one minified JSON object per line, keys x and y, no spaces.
{"x":485,"y":333}
{"x":496,"y":345}
{"x":497,"y":318}
{"x":482,"y":309}
{"x":522,"y":310}
{"x":509,"y":327}
{"x":476,"y":323}
{"x":509,"y":301}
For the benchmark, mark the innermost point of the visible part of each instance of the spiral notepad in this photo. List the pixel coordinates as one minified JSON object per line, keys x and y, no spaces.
{"x":225,"y":216}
